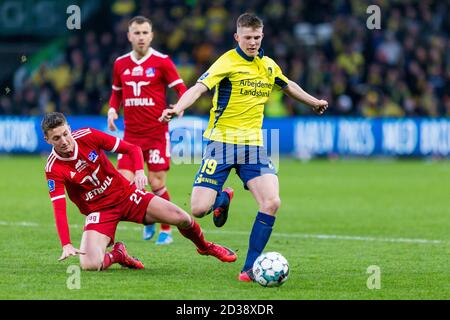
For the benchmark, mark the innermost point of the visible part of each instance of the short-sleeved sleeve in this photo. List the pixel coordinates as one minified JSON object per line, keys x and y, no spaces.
{"x":170,"y":72}
{"x":280,"y":79}
{"x":218,"y":71}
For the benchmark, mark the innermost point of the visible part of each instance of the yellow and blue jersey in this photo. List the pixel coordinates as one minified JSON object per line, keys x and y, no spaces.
{"x":242,"y":86}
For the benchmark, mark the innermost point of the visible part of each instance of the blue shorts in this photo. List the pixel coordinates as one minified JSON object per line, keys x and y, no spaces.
{"x":219,"y":158}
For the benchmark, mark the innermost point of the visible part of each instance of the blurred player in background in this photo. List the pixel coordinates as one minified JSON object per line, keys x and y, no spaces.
{"x":140,"y":78}
{"x":243,"y":79}
{"x":78,"y":164}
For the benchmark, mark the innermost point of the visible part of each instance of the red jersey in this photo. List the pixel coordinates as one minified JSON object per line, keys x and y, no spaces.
{"x":91,"y":180}
{"x":140,"y":87}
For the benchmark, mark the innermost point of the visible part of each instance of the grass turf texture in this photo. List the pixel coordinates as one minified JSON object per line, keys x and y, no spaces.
{"x":379,"y":201}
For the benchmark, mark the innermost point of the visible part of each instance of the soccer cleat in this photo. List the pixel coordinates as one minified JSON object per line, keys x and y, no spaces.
{"x":127,"y":260}
{"x":164,"y":238}
{"x":246,"y":276}
{"x":149,"y":231}
{"x":220,"y":214}
{"x":222,"y":253}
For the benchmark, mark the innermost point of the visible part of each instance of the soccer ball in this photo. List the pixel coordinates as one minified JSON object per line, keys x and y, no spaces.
{"x":271,"y":269}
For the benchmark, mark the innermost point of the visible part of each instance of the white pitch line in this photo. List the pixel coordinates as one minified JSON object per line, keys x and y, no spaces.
{"x":340,"y":237}
{"x":275,"y":234}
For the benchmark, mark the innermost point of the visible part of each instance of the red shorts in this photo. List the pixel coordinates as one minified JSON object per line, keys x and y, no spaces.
{"x":157,"y":156}
{"x":132,"y":209}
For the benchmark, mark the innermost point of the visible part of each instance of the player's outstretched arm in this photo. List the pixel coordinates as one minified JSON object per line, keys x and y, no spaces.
{"x":135,"y":153}
{"x":186,"y":100}
{"x":59,"y":211}
{"x":294,"y":91}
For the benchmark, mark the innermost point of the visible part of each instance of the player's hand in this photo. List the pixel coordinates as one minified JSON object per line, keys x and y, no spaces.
{"x":69,"y":250}
{"x":320,"y":107}
{"x":112,"y":115}
{"x":140,"y":179}
{"x":168,"y":114}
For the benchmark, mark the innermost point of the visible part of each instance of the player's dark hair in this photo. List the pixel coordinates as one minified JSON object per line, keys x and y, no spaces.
{"x":249,"y":20}
{"x":52,"y":120}
{"x":139,"y":20}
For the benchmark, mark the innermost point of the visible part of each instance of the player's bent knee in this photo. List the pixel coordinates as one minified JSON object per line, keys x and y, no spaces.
{"x":199,"y":211}
{"x":183,"y":217}
{"x":156,"y":184}
{"x":185,"y":223}
{"x":271,"y":205}
{"x":180,"y":218}
{"x":90,"y":265}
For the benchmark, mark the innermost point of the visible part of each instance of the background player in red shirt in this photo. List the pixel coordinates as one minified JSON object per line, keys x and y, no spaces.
{"x":78,"y":164}
{"x":140,"y":78}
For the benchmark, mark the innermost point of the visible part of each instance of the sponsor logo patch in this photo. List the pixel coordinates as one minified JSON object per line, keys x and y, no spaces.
{"x":93,"y":156}
{"x":137,"y":71}
{"x":51,"y":185}
{"x":93,"y":217}
{"x":150,"y":72}
{"x":200,"y":179}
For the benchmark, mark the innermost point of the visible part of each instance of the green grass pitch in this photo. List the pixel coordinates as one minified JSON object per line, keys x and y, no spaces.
{"x":337,"y":218}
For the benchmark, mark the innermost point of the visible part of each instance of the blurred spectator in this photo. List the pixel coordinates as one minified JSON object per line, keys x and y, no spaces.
{"x":344,"y":104}
{"x":389,"y":51}
{"x":6,"y":105}
{"x":82,"y":103}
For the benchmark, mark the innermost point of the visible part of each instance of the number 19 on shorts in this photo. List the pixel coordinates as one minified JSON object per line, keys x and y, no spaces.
{"x":209,"y":167}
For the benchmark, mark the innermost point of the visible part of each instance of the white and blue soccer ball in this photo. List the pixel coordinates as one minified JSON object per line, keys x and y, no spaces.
{"x":271,"y":269}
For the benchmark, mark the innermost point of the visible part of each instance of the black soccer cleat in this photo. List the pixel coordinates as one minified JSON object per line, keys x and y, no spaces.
{"x":220,"y":214}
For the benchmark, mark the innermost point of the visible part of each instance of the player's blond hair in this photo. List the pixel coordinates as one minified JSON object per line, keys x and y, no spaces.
{"x":249,"y":20}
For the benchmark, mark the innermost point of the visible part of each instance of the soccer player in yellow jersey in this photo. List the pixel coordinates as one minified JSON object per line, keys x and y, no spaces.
{"x":243,"y":79}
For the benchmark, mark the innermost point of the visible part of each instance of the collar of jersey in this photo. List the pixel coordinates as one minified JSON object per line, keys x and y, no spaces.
{"x":144,"y":58}
{"x":75,"y":153}
{"x":246,"y":57}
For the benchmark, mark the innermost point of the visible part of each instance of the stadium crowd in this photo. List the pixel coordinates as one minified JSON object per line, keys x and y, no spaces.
{"x":402,"y":69}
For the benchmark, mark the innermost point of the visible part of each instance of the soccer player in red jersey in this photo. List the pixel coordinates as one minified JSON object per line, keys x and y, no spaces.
{"x":78,"y":164}
{"x":140,"y":78}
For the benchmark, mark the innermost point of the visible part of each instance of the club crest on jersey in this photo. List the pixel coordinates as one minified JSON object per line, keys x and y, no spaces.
{"x":150,"y":72}
{"x":270,"y":71}
{"x":81,"y":165}
{"x":51,"y":185}
{"x":137,"y":71}
{"x":93,"y":156}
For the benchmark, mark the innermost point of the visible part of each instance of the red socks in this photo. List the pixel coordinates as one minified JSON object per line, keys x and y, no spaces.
{"x":195,"y":234}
